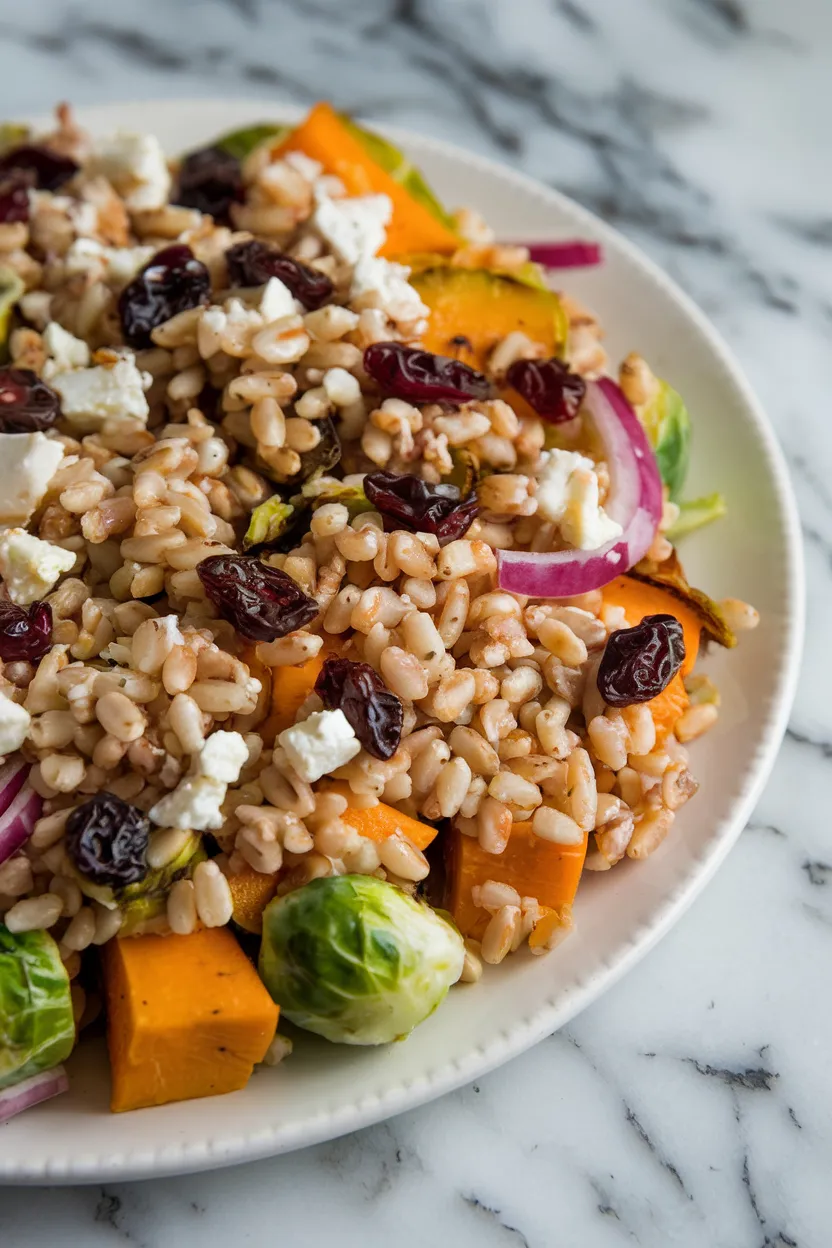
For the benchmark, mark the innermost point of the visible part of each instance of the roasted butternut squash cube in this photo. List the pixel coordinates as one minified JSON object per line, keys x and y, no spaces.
{"x":187,"y":1017}
{"x":536,"y":868}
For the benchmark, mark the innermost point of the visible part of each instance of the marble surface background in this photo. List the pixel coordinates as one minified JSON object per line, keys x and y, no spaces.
{"x":693,"y":1104}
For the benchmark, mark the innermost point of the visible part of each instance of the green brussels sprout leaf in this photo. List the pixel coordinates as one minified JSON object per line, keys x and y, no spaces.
{"x":241,"y":143}
{"x":667,"y":424}
{"x":322,"y":489}
{"x":357,"y":960}
{"x":268,"y":522}
{"x":695,"y":514}
{"x":37,"y":1030}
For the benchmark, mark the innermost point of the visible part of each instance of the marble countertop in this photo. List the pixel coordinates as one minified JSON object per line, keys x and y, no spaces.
{"x":693,"y":1104}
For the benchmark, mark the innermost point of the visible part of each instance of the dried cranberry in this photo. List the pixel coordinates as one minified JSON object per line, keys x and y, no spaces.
{"x":548,"y":387}
{"x":26,"y":403}
{"x":48,"y":169}
{"x":210,"y":181}
{"x":172,"y":281}
{"x":107,"y":839}
{"x":411,"y":373}
{"x":375,"y":714}
{"x":252,"y":263}
{"x":14,"y":199}
{"x":638,"y":663}
{"x":411,"y":503}
{"x":260,"y":601}
{"x":25,"y":632}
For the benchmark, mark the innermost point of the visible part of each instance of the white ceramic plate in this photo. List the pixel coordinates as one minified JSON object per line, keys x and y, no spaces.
{"x":755,"y":554}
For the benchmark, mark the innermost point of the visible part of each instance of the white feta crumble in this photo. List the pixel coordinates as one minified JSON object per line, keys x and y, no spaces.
{"x":304,"y":165}
{"x":388,"y":281}
{"x":119,"y":264}
{"x":64,"y":349}
{"x":223,"y":757}
{"x":194,"y":803}
{"x":567,"y":495}
{"x":90,"y":396}
{"x":354,"y":227}
{"x":276,"y":301}
{"x":135,"y":165}
{"x":30,"y":566}
{"x":27,"y":465}
{"x":14,"y":725}
{"x":320,"y":744}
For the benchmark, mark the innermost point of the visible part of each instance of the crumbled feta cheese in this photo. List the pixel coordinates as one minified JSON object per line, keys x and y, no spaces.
{"x":341,"y":387}
{"x":276,"y":301}
{"x":194,"y":803}
{"x":319,"y":744}
{"x":119,"y":264}
{"x":304,"y":165}
{"x":353,"y":228}
{"x":567,"y":495}
{"x":135,"y":164}
{"x":30,"y":566}
{"x":14,"y":725}
{"x":238,"y":315}
{"x":388,"y":282}
{"x":223,"y":756}
{"x":90,"y":396}
{"x":64,"y":349}
{"x":84,"y":216}
{"x":27,"y":465}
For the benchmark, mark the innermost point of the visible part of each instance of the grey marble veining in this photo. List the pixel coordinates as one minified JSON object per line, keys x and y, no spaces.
{"x":693,"y":1104}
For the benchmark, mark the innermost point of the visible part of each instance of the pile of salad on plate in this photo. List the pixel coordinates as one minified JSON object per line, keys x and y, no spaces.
{"x":341,"y":621}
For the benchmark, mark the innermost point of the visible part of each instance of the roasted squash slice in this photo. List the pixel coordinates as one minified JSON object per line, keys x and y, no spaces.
{"x":472,"y":310}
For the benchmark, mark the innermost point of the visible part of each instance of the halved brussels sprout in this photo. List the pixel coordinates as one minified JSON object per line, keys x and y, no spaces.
{"x":37,"y":1030}
{"x":357,"y":960}
{"x":145,"y":901}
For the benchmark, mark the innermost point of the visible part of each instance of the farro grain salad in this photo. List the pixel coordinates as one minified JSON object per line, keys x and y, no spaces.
{"x":341,"y":621}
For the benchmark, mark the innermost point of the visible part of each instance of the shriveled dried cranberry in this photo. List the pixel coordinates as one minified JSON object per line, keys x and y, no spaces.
{"x":548,"y":387}
{"x":172,"y":281}
{"x":107,"y":839}
{"x":409,"y":502}
{"x":25,"y":632}
{"x":411,"y":373}
{"x":14,"y":198}
{"x":26,"y":403}
{"x":210,"y":181}
{"x":252,"y":263}
{"x":48,"y":169}
{"x":375,"y":714}
{"x":261,"y":602}
{"x":638,"y":663}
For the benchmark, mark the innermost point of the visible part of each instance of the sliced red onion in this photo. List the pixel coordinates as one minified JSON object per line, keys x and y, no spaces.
{"x":32,"y":1091}
{"x":571,"y":253}
{"x":634,"y":501}
{"x":12,"y":776}
{"x":18,"y":820}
